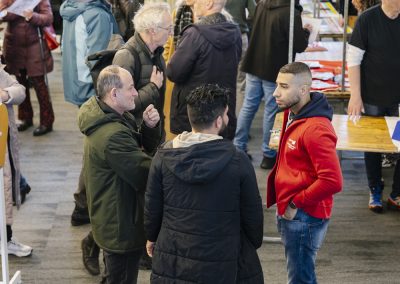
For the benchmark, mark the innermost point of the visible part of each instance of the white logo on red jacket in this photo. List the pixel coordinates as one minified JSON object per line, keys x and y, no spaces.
{"x":291,"y":144}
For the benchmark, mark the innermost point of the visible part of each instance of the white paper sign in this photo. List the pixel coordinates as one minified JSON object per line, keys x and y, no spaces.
{"x":19,"y":6}
{"x":315,"y":23}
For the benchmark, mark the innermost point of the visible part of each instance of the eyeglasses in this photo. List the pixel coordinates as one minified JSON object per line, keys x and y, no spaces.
{"x":169,"y":28}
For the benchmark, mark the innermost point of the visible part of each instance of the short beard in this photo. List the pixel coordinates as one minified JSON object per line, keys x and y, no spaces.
{"x":289,"y":106}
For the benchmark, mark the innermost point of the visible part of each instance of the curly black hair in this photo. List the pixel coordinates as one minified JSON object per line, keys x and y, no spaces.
{"x":205,"y":104}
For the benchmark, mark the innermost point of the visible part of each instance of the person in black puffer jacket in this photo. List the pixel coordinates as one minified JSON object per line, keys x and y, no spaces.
{"x":203,"y":211}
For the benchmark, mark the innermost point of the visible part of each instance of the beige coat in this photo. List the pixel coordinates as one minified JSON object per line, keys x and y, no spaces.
{"x":11,"y":182}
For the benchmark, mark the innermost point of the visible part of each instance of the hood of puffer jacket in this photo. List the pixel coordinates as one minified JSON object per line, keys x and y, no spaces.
{"x":199,"y":163}
{"x":71,"y":9}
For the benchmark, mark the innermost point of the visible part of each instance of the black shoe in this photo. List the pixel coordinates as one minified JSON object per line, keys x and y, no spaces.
{"x":145,"y":262}
{"x":90,"y":255}
{"x":268,"y":163}
{"x":42,"y":130}
{"x":80,"y":216}
{"x":24,"y":191}
{"x":24,"y":125}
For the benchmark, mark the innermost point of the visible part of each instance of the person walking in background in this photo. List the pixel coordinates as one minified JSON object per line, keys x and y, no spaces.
{"x":203,"y":211}
{"x":267,"y":52}
{"x":124,"y":11}
{"x":12,"y":93}
{"x":116,"y":167}
{"x":362,"y":5}
{"x":182,"y":16}
{"x":27,"y":57}
{"x":240,"y":11}
{"x":308,"y":174}
{"x":374,"y":64}
{"x":356,"y":7}
{"x":208,"y":52}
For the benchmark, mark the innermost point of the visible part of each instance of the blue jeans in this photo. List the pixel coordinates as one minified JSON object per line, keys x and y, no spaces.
{"x":302,"y":238}
{"x":373,"y":161}
{"x":256,"y":89}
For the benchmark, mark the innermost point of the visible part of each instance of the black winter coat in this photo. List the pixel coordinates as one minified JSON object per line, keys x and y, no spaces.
{"x":203,"y":209}
{"x":269,"y":41}
{"x":207,"y":53}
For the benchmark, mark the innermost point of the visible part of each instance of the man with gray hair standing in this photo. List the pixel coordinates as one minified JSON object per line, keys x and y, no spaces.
{"x":116,"y":165}
{"x":153,"y":26}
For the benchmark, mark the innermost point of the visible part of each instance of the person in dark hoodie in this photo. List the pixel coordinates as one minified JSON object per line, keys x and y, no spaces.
{"x":307,"y":172}
{"x":116,"y":165}
{"x":203,"y":211}
{"x":267,"y":52}
{"x":208,"y":52}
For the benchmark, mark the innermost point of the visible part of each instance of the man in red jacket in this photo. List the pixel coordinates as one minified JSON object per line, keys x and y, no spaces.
{"x":307,"y":172}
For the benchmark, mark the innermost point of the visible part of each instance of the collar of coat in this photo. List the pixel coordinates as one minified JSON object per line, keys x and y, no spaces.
{"x":215,"y":18}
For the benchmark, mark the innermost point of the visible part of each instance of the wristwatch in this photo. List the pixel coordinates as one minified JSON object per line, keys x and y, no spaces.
{"x":292,"y":205}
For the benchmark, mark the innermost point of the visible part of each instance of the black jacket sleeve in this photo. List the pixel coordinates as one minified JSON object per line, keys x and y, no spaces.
{"x":300,"y":35}
{"x":151,"y":137}
{"x":251,"y":211}
{"x":154,"y":201}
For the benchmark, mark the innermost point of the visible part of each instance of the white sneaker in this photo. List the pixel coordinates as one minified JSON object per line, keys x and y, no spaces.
{"x":18,"y":249}
{"x":387,"y":163}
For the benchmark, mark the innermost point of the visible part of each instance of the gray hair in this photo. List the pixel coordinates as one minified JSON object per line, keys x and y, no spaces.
{"x":108,"y":79}
{"x":149,"y":16}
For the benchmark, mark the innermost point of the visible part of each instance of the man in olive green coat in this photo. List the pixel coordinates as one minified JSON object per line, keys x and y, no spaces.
{"x":115,"y":169}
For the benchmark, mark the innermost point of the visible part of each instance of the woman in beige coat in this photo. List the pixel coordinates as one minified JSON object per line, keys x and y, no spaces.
{"x":12,"y":93}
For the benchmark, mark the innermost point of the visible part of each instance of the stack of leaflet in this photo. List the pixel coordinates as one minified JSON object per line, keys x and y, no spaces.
{"x":326,"y":75}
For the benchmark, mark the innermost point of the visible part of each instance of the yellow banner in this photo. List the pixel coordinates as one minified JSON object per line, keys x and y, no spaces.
{"x":3,"y":133}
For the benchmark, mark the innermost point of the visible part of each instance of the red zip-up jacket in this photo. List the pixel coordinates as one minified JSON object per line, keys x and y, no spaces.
{"x":307,"y":170}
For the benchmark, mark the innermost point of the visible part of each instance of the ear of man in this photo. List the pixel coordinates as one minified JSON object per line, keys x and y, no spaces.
{"x":218,"y":122}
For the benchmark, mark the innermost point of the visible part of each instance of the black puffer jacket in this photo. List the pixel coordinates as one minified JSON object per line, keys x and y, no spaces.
{"x":204,"y":212}
{"x":208,"y":53}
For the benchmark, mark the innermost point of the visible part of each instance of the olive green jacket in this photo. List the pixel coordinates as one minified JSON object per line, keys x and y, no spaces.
{"x":115,"y":173}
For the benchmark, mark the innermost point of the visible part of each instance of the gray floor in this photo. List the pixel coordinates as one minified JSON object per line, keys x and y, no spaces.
{"x":360,"y":247}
